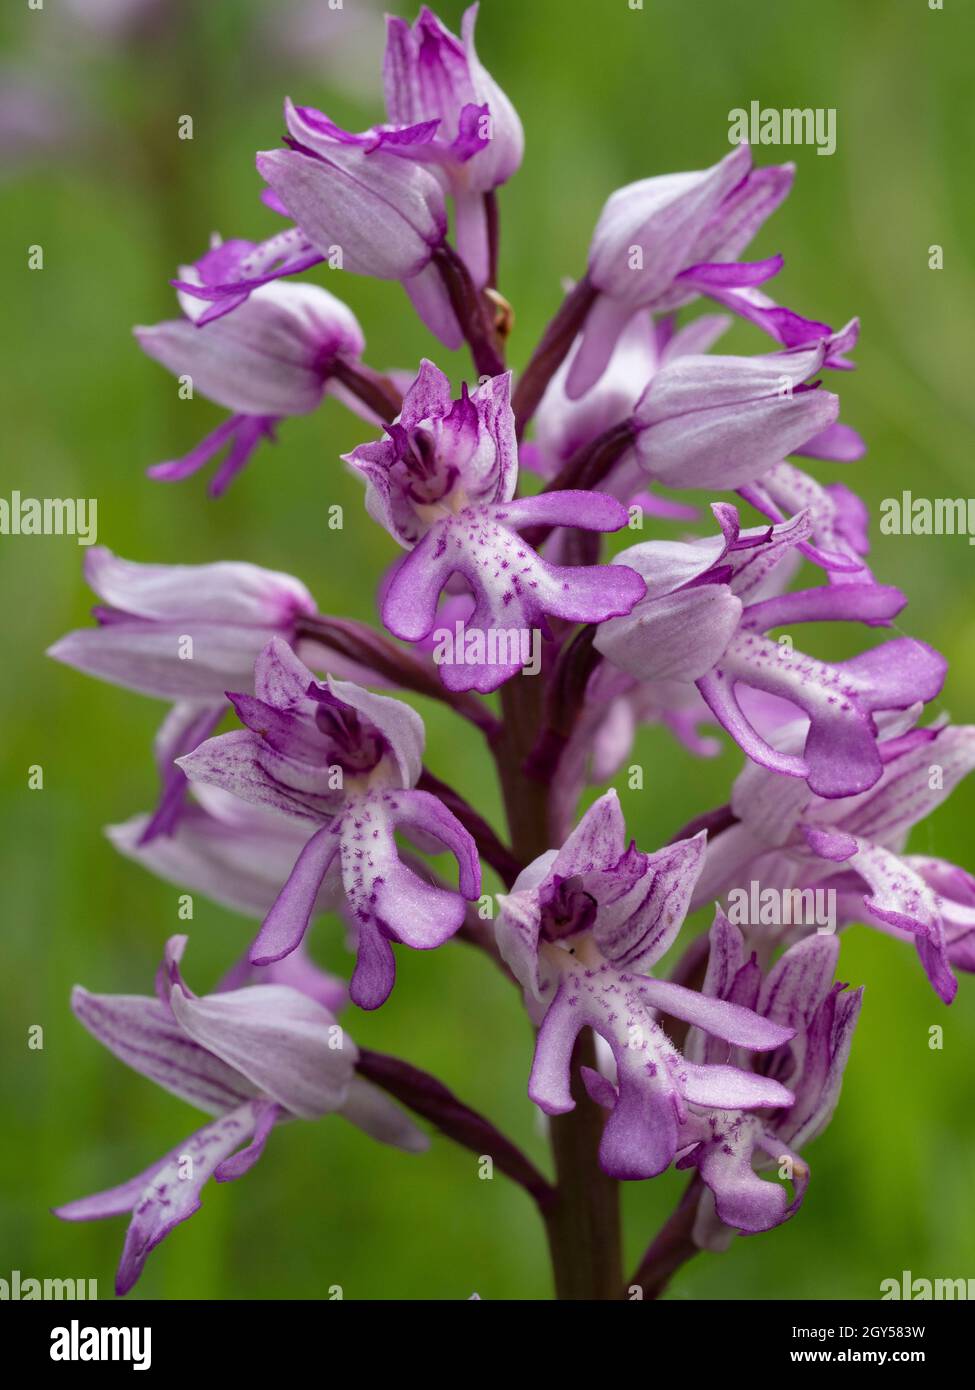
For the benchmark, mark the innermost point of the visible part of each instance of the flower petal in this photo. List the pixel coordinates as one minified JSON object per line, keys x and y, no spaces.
{"x":173,"y":1193}
{"x":371,"y":1110}
{"x":286,"y":1044}
{"x":304,"y":889}
{"x":716,"y":1016}
{"x":636,"y":929}
{"x":730,"y":1088}
{"x":141,"y":1032}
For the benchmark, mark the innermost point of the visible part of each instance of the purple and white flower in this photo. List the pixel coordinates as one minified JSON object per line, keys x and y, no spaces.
{"x":430,"y":75}
{"x":696,"y":625}
{"x":345,"y":763}
{"x":798,"y":993}
{"x":273,"y":357}
{"x":181,"y":632}
{"x":614,"y":707}
{"x":708,"y":421}
{"x":786,"y":837}
{"x":563,"y":425}
{"x":232,"y":851}
{"x":581,"y":928}
{"x":662,"y":241}
{"x":320,"y":801}
{"x":253,"y":1058}
{"x":671,"y":415}
{"x":443,"y":484}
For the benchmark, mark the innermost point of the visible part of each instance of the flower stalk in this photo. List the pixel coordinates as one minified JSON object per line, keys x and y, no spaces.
{"x":322,"y":798}
{"x":583,"y":1222}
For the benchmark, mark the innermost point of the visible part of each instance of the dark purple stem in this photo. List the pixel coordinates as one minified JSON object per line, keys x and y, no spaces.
{"x":564,"y":700}
{"x":479,"y":934}
{"x":494,"y":237}
{"x":474,"y":314}
{"x":714,"y":821}
{"x":551,"y":352}
{"x":588,"y":467}
{"x":376,"y":392}
{"x":430,"y":1098}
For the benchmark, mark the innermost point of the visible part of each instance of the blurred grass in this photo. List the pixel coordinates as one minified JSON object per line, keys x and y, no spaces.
{"x":607,"y":95}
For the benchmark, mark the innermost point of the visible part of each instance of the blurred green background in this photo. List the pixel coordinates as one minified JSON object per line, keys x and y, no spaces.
{"x":94,"y":172}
